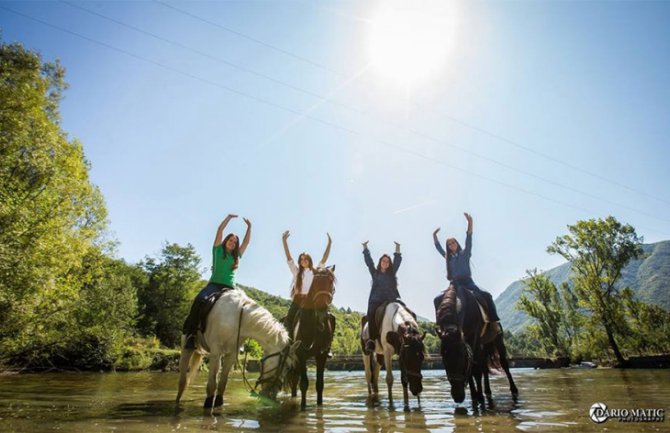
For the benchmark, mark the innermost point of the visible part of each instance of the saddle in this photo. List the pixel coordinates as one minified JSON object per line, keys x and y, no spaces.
{"x":207,"y":305}
{"x":379,"y":312}
{"x":447,"y":312}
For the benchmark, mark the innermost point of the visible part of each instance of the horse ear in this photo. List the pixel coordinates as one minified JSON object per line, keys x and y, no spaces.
{"x":438,"y":331}
{"x":331,"y":268}
{"x":423,"y":336}
{"x":295,"y":346}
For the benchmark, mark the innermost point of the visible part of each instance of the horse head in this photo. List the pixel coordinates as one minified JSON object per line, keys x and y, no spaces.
{"x":276,"y":370}
{"x":323,"y":288}
{"x":457,"y":360}
{"x":411,"y":354}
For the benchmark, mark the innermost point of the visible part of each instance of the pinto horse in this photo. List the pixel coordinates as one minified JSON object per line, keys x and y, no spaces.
{"x":234,"y":318}
{"x":314,"y":329}
{"x":466,"y":352}
{"x":400,"y":335}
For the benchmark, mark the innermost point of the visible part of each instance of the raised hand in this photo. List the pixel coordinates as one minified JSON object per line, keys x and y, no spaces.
{"x":365,"y":244}
{"x":247,"y":222}
{"x":467,"y":216}
{"x":285,"y":235}
{"x":436,"y":231}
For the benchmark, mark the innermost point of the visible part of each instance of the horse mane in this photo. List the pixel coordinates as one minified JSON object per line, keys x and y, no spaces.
{"x":265,"y":321}
{"x":447,"y":311}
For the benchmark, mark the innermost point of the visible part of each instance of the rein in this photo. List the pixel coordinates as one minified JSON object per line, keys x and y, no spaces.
{"x":274,"y":379}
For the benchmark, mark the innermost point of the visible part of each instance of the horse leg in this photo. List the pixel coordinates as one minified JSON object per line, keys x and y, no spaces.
{"x":480,"y":394}
{"x":320,"y":367}
{"x":214,"y":368}
{"x":487,"y":387}
{"x":388,"y":364}
{"x":228,"y":362}
{"x":473,"y":392}
{"x":376,"y":366}
{"x":504,"y":363}
{"x":367,"y":365}
{"x":304,"y":382}
{"x":294,"y":385}
{"x":405,"y":395}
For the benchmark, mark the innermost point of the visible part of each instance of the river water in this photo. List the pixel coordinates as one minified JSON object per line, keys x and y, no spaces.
{"x":549,"y":400}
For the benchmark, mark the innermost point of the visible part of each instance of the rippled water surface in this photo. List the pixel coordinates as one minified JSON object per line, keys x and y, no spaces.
{"x":549,"y":400}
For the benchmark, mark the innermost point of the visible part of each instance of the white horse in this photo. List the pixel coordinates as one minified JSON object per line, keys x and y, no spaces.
{"x":234,"y":318}
{"x":399,"y":335}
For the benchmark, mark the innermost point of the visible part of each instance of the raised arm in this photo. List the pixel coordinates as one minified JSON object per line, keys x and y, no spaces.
{"x":468,"y":235}
{"x":368,"y":259}
{"x":327,"y":252}
{"x":436,"y":241}
{"x":397,"y":258}
{"x":247,"y":237}
{"x":284,"y":240}
{"x":219,"y":232}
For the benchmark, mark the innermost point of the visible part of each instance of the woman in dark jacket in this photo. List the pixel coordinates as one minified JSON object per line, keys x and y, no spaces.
{"x":458,"y":269}
{"x":384,"y":287}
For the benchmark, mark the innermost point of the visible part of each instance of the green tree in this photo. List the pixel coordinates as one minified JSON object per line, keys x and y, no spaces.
{"x":165,"y":300}
{"x":50,"y":212}
{"x":598,"y":251}
{"x":541,"y":300}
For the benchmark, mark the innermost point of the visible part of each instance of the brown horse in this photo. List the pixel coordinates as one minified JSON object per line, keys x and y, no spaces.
{"x":314,"y":329}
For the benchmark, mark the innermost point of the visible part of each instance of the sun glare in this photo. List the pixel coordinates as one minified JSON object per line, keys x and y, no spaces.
{"x":409,"y":45}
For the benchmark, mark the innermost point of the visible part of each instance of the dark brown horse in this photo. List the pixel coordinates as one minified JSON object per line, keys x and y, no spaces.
{"x":466,"y":352}
{"x":314,"y":329}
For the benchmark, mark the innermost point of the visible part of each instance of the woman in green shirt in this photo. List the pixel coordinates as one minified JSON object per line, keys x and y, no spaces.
{"x":226,"y":254}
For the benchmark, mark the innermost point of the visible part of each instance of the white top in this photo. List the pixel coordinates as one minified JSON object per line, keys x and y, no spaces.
{"x":307,"y":277}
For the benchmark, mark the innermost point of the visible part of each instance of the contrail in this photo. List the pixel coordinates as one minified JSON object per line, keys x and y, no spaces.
{"x":425,"y":203}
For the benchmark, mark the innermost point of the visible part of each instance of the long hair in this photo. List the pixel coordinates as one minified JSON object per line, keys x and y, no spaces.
{"x":450,"y":255}
{"x":390,"y":269}
{"x":235,"y":252}
{"x":298,"y":279}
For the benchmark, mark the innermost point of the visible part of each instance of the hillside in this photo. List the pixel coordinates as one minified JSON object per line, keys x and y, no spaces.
{"x":649,"y":277}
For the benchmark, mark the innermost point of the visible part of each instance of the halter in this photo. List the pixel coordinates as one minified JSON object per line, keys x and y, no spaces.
{"x":403,"y":368}
{"x":275,"y":379}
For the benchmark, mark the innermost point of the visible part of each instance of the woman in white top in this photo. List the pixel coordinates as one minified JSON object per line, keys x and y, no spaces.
{"x":303,"y":275}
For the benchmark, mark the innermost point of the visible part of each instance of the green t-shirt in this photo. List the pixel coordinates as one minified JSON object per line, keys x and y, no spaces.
{"x":222,"y":268}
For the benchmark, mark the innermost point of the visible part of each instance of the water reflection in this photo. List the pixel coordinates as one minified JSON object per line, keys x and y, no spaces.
{"x":144,"y":402}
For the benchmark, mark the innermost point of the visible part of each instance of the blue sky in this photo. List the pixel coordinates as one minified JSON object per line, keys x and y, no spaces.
{"x":533,"y":116}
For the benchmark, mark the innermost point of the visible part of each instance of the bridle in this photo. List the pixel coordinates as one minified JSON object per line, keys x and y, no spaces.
{"x":402,"y":361}
{"x":451,"y":376}
{"x":274,"y":380}
{"x":273,"y":376}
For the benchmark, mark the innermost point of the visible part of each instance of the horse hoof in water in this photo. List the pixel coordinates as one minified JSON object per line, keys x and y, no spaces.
{"x":218,"y":401}
{"x":406,"y":408}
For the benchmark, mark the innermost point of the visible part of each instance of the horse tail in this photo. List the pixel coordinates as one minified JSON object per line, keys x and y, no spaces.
{"x":194,"y":365}
{"x":494,"y":352}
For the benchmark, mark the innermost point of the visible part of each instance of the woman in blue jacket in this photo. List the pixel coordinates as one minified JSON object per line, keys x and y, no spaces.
{"x":384,"y":287}
{"x":458,"y":269}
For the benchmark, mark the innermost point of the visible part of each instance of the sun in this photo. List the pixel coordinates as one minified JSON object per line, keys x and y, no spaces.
{"x":409,"y":44}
